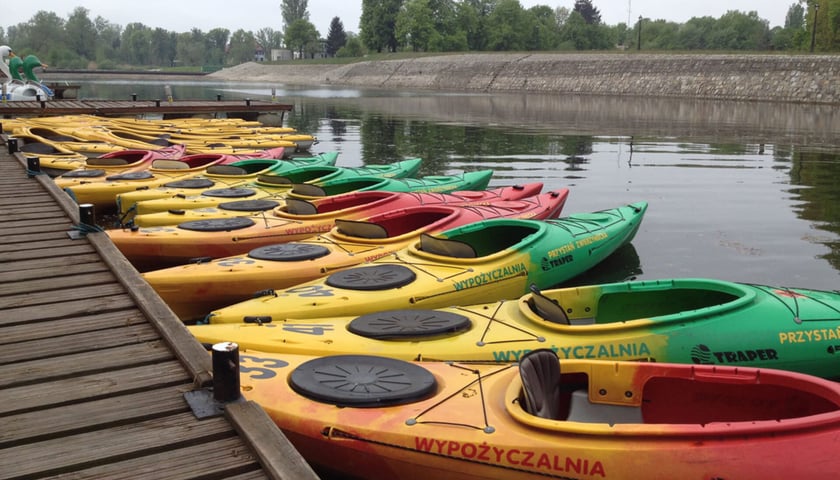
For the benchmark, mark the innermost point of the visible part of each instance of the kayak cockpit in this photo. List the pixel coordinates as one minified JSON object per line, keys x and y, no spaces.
{"x":614,"y":305}
{"x":600,"y":397}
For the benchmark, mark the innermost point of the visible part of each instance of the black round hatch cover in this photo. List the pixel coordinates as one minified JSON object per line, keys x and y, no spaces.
{"x":217,"y":224}
{"x":397,"y":324}
{"x":86,"y":173}
{"x":372,"y":277}
{"x":249,"y":205}
{"x":289,"y":252}
{"x":191,"y":183}
{"x":229,"y":192}
{"x":141,"y":175}
{"x":362,"y":381}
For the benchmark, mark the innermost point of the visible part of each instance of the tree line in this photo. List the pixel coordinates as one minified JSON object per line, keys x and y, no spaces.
{"x":416,"y":26}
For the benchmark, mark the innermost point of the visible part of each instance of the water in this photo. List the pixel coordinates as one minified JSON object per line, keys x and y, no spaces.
{"x":738,"y":191}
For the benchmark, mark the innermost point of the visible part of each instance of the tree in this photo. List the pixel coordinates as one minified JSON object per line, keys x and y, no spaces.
{"x":300,"y":37}
{"x":507,"y":26}
{"x":795,"y":18}
{"x":242,"y":46}
{"x":217,"y":41}
{"x":164,"y":47}
{"x":414,"y":26}
{"x":192,"y":47}
{"x":377,"y":24}
{"x":336,"y":38}
{"x":81,"y":34}
{"x":136,"y":44}
{"x":269,"y":38}
{"x":590,"y":14}
{"x":353,"y":47}
{"x":294,"y":10}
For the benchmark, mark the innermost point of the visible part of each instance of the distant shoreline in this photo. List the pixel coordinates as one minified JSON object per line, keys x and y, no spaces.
{"x":749,"y":77}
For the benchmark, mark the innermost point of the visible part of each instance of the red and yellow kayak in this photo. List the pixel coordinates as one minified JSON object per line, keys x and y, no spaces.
{"x":385,"y":419}
{"x":193,"y":290}
{"x":475,"y":263}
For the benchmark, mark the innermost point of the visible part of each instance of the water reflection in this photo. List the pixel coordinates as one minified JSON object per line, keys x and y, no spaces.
{"x":738,"y":191}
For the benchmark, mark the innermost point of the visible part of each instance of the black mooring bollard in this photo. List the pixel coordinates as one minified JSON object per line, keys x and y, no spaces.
{"x":33,"y":166}
{"x":86,"y":214}
{"x":157,"y":102}
{"x":218,"y":97}
{"x":248,"y":102}
{"x":12,"y":143}
{"x":226,"y":372}
{"x":133,"y":97}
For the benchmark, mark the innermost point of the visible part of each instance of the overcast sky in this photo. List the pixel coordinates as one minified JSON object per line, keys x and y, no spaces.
{"x":252,"y":15}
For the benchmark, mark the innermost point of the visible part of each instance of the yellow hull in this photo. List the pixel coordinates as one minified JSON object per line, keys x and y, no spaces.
{"x":380,"y":419}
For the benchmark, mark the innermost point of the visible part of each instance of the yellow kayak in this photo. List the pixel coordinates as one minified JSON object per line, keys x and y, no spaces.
{"x":477,"y":263}
{"x":103,"y":194}
{"x":193,"y":290}
{"x":271,"y":185}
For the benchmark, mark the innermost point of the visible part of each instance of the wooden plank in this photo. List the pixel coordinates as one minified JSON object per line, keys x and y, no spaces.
{"x":90,"y":387}
{"x":275,"y":451}
{"x":75,"y":418}
{"x":35,"y":273}
{"x":79,"y":248}
{"x":29,"y":331}
{"x":46,"y":244}
{"x":71,"y":453}
{"x":225,"y":458}
{"x":70,"y":344}
{"x":48,"y":262}
{"x":59,"y":296}
{"x":58,"y":281}
{"x":70,"y":308}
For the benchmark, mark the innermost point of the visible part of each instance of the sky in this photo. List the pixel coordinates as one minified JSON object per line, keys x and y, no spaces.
{"x":253,"y":15}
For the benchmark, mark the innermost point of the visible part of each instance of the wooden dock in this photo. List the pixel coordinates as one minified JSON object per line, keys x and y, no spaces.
{"x":94,"y":367}
{"x":248,"y":109}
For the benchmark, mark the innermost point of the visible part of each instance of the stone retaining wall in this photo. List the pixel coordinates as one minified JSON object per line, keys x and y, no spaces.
{"x":786,"y":78}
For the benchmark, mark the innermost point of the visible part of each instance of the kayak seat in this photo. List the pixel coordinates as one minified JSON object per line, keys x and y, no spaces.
{"x":446,"y":247}
{"x":547,"y":308}
{"x":226,"y":170}
{"x":360,"y":229}
{"x":539,"y":371}
{"x":300,"y":207}
{"x":274,"y":180}
{"x":583,"y":410}
{"x":107,"y":161}
{"x":309,"y":190}
{"x":165,"y":164}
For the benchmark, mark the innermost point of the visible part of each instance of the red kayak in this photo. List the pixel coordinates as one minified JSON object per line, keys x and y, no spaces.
{"x":194,"y":290}
{"x":157,"y":247}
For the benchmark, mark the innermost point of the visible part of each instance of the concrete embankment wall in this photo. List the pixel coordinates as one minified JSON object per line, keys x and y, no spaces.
{"x":786,"y":78}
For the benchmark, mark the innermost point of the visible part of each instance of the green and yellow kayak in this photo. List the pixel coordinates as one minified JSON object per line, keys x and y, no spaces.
{"x":688,"y":320}
{"x":480,"y":262}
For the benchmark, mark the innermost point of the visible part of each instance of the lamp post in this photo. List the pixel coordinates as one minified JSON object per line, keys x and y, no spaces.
{"x":639,"y":40}
{"x":814,"y":26}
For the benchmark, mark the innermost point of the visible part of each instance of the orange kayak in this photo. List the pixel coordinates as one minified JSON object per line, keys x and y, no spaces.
{"x":388,"y":419}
